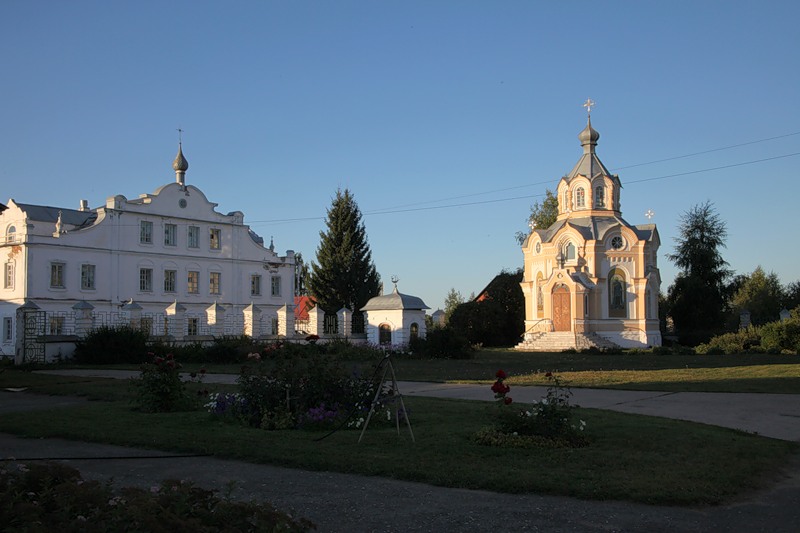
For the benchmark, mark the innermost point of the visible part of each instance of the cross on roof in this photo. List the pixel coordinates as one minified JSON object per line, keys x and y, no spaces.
{"x":650,"y":214}
{"x":589,"y":104}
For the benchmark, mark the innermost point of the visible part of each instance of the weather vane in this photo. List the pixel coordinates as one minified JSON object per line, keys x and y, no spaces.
{"x":589,"y":104}
{"x":650,"y":214}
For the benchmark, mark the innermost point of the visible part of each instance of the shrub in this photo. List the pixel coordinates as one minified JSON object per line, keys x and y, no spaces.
{"x":230,"y":349}
{"x":118,"y":344}
{"x":54,"y":497}
{"x":782,"y":335}
{"x":442,"y":343}
{"x":731,"y":343}
{"x":159,"y":388}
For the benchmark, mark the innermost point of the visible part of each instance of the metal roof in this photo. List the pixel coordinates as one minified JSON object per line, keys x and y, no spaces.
{"x":395,"y":300}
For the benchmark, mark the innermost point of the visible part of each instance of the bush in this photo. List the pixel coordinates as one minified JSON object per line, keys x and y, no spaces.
{"x":159,"y":388}
{"x":106,"y":345}
{"x":731,"y":343}
{"x":54,"y":497}
{"x":782,"y":335}
{"x":442,"y":343}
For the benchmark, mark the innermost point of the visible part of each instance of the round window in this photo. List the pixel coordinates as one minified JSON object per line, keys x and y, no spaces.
{"x":617,"y":242}
{"x":182,"y":202}
{"x":538,"y":247}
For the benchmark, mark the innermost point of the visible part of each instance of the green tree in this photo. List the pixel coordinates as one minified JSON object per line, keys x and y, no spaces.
{"x":791,"y":295}
{"x":344,"y":274}
{"x":762,"y":295}
{"x":543,"y":215}
{"x":697,"y":300}
{"x":301,"y":276}
{"x":498,"y":317}
{"x":451,"y":301}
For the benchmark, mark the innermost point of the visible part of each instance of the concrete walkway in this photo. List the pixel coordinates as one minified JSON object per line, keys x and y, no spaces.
{"x":771,"y":415}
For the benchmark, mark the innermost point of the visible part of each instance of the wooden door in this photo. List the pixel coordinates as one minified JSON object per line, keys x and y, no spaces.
{"x":562,"y":317}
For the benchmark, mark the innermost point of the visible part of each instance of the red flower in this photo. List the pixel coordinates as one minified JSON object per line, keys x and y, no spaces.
{"x":507,"y":400}
{"x":498,"y":387}
{"x":549,"y":375}
{"x":500,"y":374}
{"x":158,"y":360}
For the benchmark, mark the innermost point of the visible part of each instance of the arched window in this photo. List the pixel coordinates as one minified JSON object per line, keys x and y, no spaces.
{"x":11,"y":234}
{"x":384,"y":334}
{"x":539,"y":295}
{"x":617,"y":294}
{"x":413,"y":331}
{"x":569,"y":252}
{"x":599,"y":196}
{"x":580,"y":198}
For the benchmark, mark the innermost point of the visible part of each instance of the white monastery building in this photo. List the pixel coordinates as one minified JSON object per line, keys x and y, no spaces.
{"x":591,"y":279}
{"x":167,"y":261}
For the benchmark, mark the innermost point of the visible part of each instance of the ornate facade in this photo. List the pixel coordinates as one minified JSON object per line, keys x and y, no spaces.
{"x":590,"y":279}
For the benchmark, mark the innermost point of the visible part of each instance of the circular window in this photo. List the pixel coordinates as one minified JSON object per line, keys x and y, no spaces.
{"x":182,"y":202}
{"x":617,"y":242}
{"x":538,"y":247}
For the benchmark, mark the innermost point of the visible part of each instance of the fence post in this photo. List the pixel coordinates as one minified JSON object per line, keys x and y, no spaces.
{"x":177,"y":326}
{"x":83,"y":318}
{"x":286,"y":321}
{"x":316,"y":319}
{"x":216,"y":319}
{"x":134,"y":313}
{"x":252,"y":321}
{"x":345,"y":322}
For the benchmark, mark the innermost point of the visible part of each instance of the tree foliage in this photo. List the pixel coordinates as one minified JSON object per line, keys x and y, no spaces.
{"x":344,"y":274}
{"x":762,"y":295}
{"x":543,"y":215}
{"x":697,"y":298}
{"x":497,"y":318}
{"x":451,"y":301}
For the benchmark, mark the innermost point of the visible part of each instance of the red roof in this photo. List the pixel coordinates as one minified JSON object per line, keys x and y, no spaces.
{"x":302,"y":304}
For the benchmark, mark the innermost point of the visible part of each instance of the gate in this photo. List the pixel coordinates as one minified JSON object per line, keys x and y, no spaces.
{"x":33,"y":324}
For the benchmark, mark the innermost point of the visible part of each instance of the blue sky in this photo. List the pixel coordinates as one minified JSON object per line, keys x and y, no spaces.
{"x":453,"y":116}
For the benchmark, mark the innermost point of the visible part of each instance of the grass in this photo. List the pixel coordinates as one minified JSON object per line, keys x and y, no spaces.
{"x":664,"y":461}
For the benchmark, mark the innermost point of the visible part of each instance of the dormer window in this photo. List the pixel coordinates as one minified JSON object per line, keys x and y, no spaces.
{"x":599,"y":196}
{"x":569,"y":252}
{"x":580,"y":198}
{"x":11,"y":234}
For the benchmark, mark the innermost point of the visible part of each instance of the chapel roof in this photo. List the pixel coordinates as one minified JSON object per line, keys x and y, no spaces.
{"x":589,"y":164}
{"x":393,"y":301}
{"x":594,"y":228}
{"x":180,"y":163}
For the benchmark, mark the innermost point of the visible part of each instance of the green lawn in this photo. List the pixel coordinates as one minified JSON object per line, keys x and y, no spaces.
{"x":635,"y":458}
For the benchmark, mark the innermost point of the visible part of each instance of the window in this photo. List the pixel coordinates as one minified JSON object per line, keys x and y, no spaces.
{"x":193,"y":282}
{"x":617,"y":242}
{"x":255,"y":285}
{"x":539,"y":295}
{"x":56,"y":325}
{"x":616,"y":294}
{"x":57,"y":275}
{"x":413,"y":331}
{"x":87,"y":277}
{"x":192,"y":324}
{"x":8,"y":275}
{"x":580,"y":198}
{"x":11,"y":234}
{"x":384,"y":334}
{"x":170,"y":235}
{"x":274,"y":325}
{"x":8,"y":328}
{"x":213,"y":282}
{"x":146,"y":325}
{"x":599,"y":196}
{"x":145,"y":279}
{"x":275,"y":284}
{"x":194,"y":237}
{"x":569,"y":252}
{"x":170,"y":280}
{"x":214,"y":236}
{"x":146,"y":232}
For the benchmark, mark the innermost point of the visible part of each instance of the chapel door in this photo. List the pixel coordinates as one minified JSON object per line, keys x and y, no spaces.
{"x":562,"y":317}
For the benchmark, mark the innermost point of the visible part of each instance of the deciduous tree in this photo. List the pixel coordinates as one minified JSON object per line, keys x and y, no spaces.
{"x":543,"y":215}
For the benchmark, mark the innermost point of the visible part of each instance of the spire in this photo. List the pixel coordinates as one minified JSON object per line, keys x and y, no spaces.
{"x":180,"y":165}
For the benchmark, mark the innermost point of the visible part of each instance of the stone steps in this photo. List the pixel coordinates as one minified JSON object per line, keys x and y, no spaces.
{"x":556,"y":341}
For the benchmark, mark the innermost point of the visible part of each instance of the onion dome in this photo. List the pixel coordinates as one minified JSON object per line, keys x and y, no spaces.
{"x":588,"y":137}
{"x":180,"y":164}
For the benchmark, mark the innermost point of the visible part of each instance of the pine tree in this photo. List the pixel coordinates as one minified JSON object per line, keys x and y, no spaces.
{"x":344,"y":274}
{"x":697,"y":299}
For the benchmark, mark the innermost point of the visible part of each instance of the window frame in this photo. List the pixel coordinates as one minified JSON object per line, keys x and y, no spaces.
{"x":580,"y":198}
{"x":215,"y":283}
{"x":145,"y":232}
{"x":255,"y":284}
{"x":8,"y":329}
{"x":170,"y":280}
{"x":9,"y":274}
{"x":214,"y":239}
{"x":193,"y":283}
{"x":193,"y":237}
{"x":88,"y":277}
{"x":57,"y":271}
{"x":145,"y":279}
{"x":275,"y":286}
{"x":170,"y":234}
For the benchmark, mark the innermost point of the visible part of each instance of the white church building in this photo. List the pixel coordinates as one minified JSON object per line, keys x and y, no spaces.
{"x":167,"y":261}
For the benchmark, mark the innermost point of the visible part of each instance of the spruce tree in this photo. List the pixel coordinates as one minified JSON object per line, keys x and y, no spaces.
{"x":343,"y":274}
